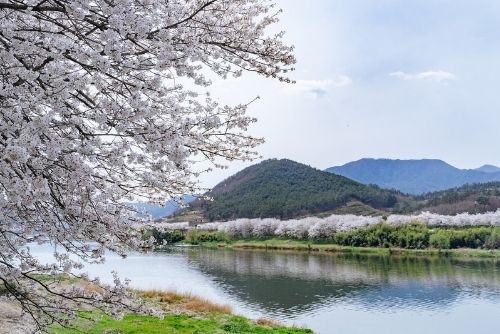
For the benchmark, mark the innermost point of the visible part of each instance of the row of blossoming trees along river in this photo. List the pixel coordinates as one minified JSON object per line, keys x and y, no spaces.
{"x":324,"y":228}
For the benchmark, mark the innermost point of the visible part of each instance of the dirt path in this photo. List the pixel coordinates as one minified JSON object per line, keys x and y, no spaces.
{"x":12,"y":321}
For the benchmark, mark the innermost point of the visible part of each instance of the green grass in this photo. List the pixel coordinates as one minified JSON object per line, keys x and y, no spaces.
{"x":177,"y":324}
{"x":183,"y":313}
{"x":311,"y":246}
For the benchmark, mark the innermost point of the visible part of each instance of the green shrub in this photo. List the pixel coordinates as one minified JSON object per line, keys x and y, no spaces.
{"x":440,"y":240}
{"x":196,"y":237}
{"x":474,"y":237}
{"x":163,"y":237}
{"x":413,"y":235}
{"x":419,"y":236}
{"x":493,"y":240}
{"x":468,"y":237}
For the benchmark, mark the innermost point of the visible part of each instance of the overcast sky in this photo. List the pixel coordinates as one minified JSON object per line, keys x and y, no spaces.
{"x":383,"y":79}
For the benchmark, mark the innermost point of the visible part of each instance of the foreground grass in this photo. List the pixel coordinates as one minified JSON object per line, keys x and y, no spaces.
{"x":177,"y":324}
{"x":310,"y":246}
{"x":184,"y":314}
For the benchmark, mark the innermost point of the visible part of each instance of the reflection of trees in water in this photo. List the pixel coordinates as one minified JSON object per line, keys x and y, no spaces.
{"x":288,"y":282}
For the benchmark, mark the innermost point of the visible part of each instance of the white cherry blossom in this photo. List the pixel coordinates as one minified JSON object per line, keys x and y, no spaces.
{"x":322,"y":228}
{"x":106,"y":101}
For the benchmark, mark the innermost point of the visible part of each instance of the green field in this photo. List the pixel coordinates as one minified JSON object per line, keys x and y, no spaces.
{"x":183,"y":314}
{"x":177,"y":324}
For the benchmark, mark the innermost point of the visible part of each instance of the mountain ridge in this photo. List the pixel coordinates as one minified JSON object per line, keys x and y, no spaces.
{"x":414,"y":176}
{"x":162,"y":211}
{"x":488,"y":169}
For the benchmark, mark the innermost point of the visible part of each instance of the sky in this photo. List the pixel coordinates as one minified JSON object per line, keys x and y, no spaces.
{"x":405,"y":79}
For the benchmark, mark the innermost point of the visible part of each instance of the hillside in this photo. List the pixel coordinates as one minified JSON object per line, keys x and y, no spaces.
{"x":474,"y":198}
{"x":414,"y":176}
{"x":287,"y":189}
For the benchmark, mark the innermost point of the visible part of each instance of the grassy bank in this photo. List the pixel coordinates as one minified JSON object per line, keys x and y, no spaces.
{"x":177,"y":324}
{"x":311,"y":246}
{"x":183,"y":314}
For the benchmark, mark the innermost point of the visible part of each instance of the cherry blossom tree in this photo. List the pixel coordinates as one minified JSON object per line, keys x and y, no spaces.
{"x":103,"y":102}
{"x":323,"y":228}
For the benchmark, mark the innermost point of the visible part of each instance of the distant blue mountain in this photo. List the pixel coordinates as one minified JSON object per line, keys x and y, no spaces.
{"x":158,"y":211}
{"x":414,"y":176}
{"x":488,"y":169}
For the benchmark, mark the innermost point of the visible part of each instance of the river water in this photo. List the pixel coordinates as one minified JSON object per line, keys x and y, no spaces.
{"x":328,"y":293}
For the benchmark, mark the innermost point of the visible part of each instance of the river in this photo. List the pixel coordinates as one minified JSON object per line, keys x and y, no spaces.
{"x":328,"y":293}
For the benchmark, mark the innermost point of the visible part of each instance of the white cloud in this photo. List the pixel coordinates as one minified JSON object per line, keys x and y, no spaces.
{"x":319,"y":88}
{"x":341,"y":81}
{"x":431,"y":75}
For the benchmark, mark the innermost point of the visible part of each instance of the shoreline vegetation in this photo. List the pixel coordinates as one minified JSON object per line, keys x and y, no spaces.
{"x":183,"y":314}
{"x":164,"y":312}
{"x":305,"y":246}
{"x":413,"y":238}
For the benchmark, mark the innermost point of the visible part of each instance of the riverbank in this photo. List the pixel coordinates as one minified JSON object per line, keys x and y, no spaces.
{"x":413,"y":238}
{"x":310,"y":246}
{"x":182,"y":314}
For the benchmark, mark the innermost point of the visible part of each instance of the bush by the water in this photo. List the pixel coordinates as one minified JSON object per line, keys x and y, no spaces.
{"x":493,"y":240}
{"x":411,"y":236}
{"x":193,"y":236}
{"x":164,"y":236}
{"x":196,"y":237}
{"x":414,"y":235}
{"x":476,"y":237}
{"x":419,"y":236}
{"x":440,"y":241}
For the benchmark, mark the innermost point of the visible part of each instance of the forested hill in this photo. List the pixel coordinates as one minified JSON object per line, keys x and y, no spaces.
{"x":472,"y":198}
{"x":287,"y":189}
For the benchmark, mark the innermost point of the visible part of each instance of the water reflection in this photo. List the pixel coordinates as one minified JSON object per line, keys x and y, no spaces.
{"x":327,"y":293}
{"x":285,"y":284}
